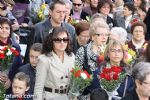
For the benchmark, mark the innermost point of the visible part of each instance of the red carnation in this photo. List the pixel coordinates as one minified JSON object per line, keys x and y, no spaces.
{"x":108,"y":77}
{"x":107,"y":70}
{"x":12,"y":50}
{"x":101,"y":58}
{"x":102,"y":75}
{"x":2,"y":56}
{"x":134,"y":20}
{"x":72,"y":71}
{"x":77,"y":74}
{"x":116,"y":69}
{"x":16,"y":53}
{"x":115,"y":76}
{"x":4,"y":49}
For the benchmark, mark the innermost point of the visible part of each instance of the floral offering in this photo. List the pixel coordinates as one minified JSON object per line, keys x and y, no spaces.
{"x":101,"y":54}
{"x":74,"y":21}
{"x":7,"y":53}
{"x":80,"y":79}
{"x":42,"y":12}
{"x":130,"y":55}
{"x":110,"y":78}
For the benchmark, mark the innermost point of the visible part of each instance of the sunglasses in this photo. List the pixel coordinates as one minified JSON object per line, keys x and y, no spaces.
{"x":59,"y":40}
{"x":3,"y":8}
{"x":75,"y":4}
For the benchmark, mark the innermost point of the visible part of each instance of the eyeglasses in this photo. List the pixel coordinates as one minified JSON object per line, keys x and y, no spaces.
{"x":75,"y":4}
{"x":102,"y":34}
{"x":116,"y":51}
{"x":59,"y":40}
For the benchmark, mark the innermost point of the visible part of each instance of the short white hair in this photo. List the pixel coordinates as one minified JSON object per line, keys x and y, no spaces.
{"x":120,"y":32}
{"x":69,"y":2}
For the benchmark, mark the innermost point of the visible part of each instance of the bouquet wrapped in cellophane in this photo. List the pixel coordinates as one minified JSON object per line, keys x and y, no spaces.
{"x":80,"y":79}
{"x":7,"y":53}
{"x":111,"y":78}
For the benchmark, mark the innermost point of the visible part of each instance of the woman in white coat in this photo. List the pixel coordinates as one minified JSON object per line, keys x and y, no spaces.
{"x":55,"y":64}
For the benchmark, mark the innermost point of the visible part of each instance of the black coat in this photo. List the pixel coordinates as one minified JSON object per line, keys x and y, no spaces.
{"x":131,"y":96}
{"x":82,"y":15}
{"x":147,"y":22}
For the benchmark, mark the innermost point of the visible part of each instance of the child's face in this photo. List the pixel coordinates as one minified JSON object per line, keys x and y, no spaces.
{"x":19,"y":87}
{"x":34,"y":57}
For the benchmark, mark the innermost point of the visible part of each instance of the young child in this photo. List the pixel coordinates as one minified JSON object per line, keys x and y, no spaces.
{"x":20,"y":86}
{"x":30,"y":68}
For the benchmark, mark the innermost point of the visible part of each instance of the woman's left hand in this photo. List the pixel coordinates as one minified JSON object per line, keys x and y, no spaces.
{"x":7,"y":84}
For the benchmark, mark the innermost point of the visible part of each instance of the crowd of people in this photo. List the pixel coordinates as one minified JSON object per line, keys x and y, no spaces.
{"x":88,"y":34}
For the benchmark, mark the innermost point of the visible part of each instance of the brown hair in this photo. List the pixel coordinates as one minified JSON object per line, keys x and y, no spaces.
{"x":81,"y":26}
{"x":52,"y":5}
{"x":21,"y":76}
{"x":4,"y":20}
{"x":36,"y":47}
{"x":48,"y":44}
{"x":138,"y":24}
{"x":101,"y":3}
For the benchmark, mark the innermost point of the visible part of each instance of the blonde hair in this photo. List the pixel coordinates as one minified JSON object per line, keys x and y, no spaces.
{"x":119,"y":3}
{"x":97,"y":24}
{"x":111,"y":44}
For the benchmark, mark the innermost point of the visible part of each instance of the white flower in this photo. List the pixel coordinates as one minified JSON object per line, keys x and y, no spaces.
{"x":9,"y":52}
{"x":83,"y":75}
{"x":2,"y":47}
{"x":102,"y":48}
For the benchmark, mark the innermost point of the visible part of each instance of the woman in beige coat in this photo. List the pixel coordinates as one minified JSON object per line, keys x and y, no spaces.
{"x":53,"y":70}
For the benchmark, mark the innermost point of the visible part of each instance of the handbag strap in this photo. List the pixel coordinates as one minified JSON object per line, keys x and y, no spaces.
{"x":125,"y":88}
{"x":85,"y":63}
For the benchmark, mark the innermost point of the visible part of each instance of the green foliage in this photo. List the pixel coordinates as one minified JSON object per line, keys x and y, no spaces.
{"x":112,"y":84}
{"x":2,"y":91}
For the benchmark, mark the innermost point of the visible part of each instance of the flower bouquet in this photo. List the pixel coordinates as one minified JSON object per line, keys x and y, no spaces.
{"x":7,"y":54}
{"x":43,"y":12}
{"x":101,"y":54}
{"x":75,"y":21}
{"x":80,"y":79}
{"x":130,"y":55}
{"x":110,"y":79}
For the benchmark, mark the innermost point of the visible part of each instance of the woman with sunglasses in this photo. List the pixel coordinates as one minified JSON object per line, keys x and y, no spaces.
{"x":53,"y":69}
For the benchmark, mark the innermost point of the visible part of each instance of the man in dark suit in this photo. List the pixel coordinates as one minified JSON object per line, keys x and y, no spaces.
{"x":77,"y":13}
{"x":56,"y":19}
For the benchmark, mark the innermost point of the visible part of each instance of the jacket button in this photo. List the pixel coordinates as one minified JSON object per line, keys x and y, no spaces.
{"x":66,"y":76}
{"x":61,"y":77}
{"x":61,"y":87}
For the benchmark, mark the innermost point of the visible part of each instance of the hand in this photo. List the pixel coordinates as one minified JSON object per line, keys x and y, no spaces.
{"x":7,"y":84}
{"x":15,"y":26}
{"x":3,"y":78}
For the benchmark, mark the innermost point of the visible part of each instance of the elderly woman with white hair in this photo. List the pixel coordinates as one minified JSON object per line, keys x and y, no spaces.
{"x":86,"y":56}
{"x":119,"y":34}
{"x":68,"y":4}
{"x":141,"y":76}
